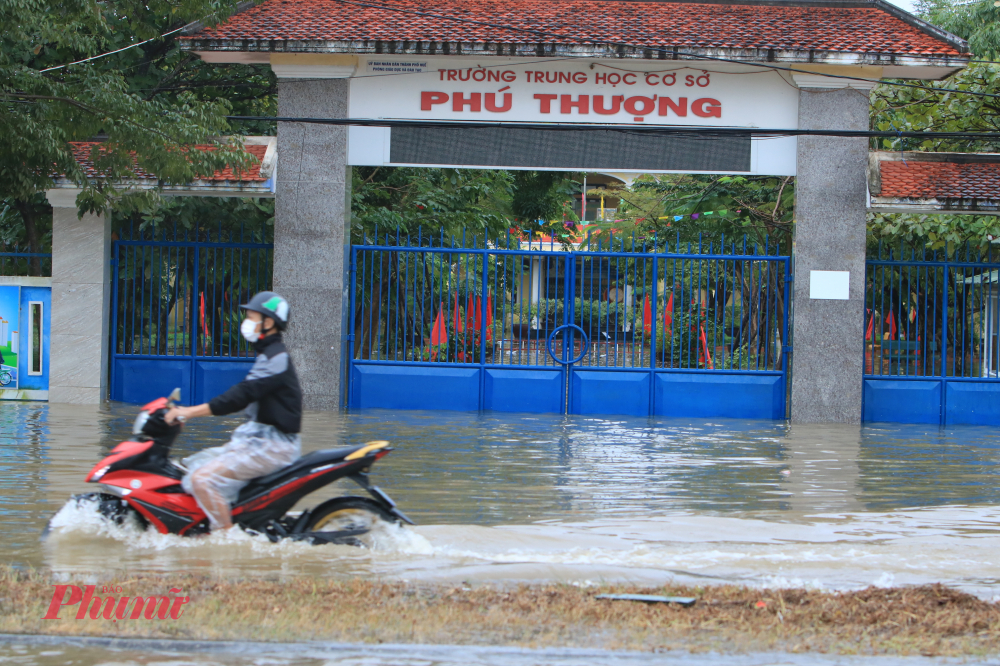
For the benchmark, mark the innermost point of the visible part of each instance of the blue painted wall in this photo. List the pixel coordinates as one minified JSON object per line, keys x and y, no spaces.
{"x":592,"y":391}
{"x":140,"y":380}
{"x":26,"y":381}
{"x":927,"y":400}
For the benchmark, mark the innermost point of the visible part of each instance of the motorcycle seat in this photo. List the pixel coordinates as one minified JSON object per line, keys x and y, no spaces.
{"x":313,"y":459}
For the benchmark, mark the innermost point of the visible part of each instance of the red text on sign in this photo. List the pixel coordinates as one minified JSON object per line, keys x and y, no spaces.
{"x":476,"y":74}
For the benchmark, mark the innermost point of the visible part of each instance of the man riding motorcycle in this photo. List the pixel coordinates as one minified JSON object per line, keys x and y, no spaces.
{"x":272,"y":398}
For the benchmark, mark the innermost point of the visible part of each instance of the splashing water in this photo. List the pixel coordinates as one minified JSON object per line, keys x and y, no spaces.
{"x":81,"y":517}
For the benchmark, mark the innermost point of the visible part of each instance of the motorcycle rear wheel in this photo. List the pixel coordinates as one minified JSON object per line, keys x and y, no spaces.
{"x":347,"y":516}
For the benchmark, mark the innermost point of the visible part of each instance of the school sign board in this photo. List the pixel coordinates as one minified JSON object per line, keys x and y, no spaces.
{"x":571,"y":92}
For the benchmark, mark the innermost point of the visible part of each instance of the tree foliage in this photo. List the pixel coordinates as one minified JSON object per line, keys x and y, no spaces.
{"x":760,"y":207}
{"x":424,"y":202}
{"x":145,"y":104}
{"x":122,"y":98}
{"x":902,"y":109}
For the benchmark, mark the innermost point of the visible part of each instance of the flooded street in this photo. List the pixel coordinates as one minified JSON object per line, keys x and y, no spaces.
{"x":501,"y":497}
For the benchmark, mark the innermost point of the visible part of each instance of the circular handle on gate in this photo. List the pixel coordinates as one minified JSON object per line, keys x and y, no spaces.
{"x":583,"y":353}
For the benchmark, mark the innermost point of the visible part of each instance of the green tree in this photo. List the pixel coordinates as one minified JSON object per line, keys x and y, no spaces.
{"x":758,"y":207}
{"x":427,"y":202}
{"x":896,"y":108}
{"x":145,"y":104}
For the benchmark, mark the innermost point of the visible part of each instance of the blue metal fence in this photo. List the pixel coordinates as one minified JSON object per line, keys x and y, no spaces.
{"x":932,"y":351}
{"x":611,"y":325}
{"x":176,"y":318}
{"x":20,"y":261}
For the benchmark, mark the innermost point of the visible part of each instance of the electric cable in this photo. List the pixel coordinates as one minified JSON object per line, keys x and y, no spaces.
{"x":126,"y":48}
{"x":675,"y":130}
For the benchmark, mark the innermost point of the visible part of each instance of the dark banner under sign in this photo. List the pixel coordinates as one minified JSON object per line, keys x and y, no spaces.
{"x":568,"y":149}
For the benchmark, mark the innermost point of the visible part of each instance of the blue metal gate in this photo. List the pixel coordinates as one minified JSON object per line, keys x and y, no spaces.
{"x":175,"y":319}
{"x":932,"y":336}
{"x":530,"y":327}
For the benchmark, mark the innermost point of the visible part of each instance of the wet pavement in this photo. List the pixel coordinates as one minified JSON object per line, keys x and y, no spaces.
{"x":53,"y":651}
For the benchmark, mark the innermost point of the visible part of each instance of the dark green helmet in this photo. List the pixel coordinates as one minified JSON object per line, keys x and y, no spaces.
{"x":270,"y":305}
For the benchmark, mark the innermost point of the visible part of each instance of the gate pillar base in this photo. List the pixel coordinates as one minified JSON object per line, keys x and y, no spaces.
{"x":311,"y":233}
{"x":81,"y":302}
{"x":830,"y":208}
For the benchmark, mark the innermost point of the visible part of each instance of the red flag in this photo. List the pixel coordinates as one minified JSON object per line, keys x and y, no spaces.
{"x":891,"y":320}
{"x":706,"y":358}
{"x":489,"y":317}
{"x":668,"y":312}
{"x":439,"y":335}
{"x":204,"y":326}
{"x":871,"y":325}
{"x":471,"y":315}
{"x":647,"y":316}
{"x":456,"y":320}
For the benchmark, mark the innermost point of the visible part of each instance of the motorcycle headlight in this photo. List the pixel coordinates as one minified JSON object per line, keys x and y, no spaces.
{"x":140,"y":423}
{"x":116,"y":491}
{"x":101,"y":472}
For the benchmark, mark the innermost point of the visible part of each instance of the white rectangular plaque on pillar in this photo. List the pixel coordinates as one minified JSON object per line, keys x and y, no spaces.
{"x":830,"y":285}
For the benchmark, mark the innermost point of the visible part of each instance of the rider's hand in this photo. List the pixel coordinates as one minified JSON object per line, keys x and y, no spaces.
{"x":184,"y":413}
{"x":175,"y":412}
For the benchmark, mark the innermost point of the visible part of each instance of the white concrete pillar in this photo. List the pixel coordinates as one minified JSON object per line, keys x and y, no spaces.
{"x":831,"y":200}
{"x":312,"y":232}
{"x":81,"y":302}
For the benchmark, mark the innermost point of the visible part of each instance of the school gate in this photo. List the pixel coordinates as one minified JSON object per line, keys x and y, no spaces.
{"x":575,"y":85}
{"x":571,"y":85}
{"x":176,"y":317}
{"x":668,"y":329}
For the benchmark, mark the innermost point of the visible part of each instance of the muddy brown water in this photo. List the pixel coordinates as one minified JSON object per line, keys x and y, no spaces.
{"x":508,"y":497}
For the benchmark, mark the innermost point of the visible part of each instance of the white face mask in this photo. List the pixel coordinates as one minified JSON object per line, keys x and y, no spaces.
{"x":248,"y":329}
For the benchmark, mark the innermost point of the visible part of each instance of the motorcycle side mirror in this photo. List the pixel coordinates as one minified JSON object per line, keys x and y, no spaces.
{"x":174,"y":396}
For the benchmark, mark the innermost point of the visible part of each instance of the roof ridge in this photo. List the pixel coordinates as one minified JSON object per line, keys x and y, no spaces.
{"x":357,"y":26}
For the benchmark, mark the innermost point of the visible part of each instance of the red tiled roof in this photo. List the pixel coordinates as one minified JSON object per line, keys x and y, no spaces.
{"x":939,"y":180}
{"x":646,"y":24}
{"x":82,"y":151}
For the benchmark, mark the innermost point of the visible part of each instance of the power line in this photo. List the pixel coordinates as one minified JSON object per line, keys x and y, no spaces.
{"x":131,"y":46}
{"x":675,"y":130}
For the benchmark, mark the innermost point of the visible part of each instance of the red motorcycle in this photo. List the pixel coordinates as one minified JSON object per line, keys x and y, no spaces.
{"x":142,"y":482}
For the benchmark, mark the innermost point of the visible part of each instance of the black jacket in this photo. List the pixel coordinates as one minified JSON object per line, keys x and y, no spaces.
{"x":270,"y":393}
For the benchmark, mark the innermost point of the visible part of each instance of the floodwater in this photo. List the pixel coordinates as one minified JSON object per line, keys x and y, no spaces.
{"x":506,"y":497}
